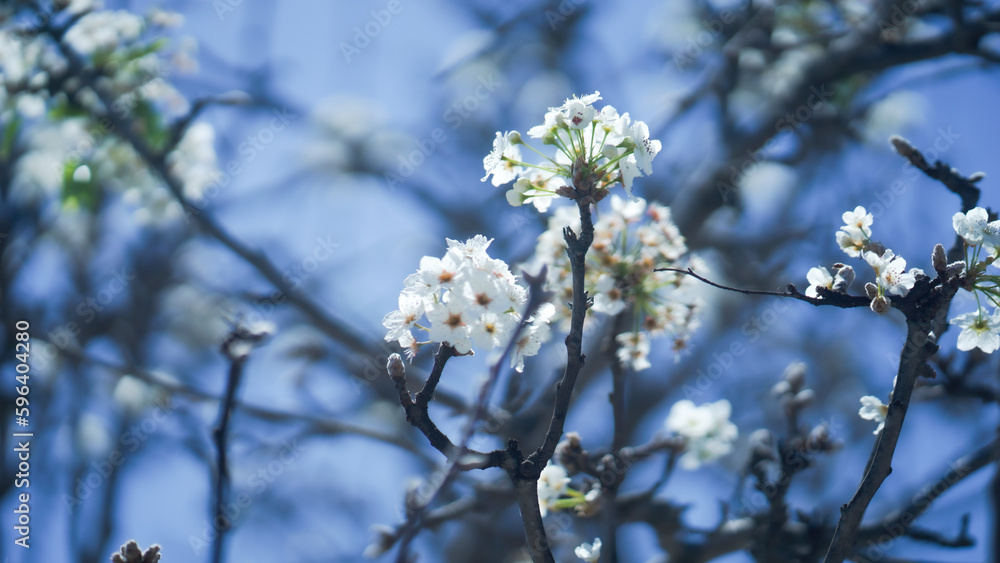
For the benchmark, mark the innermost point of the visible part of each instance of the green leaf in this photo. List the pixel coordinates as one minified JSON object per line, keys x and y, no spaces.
{"x":9,"y":136}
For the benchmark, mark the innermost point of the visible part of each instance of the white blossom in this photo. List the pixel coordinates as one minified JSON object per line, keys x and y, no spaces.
{"x":469,"y":300}
{"x":194,"y":162}
{"x":818,"y":277}
{"x":612,"y":145}
{"x":502,"y":160}
{"x":707,"y":431}
{"x":103,"y":31}
{"x":552,"y":483}
{"x":589,"y":552}
{"x":855,"y":232}
{"x":890,"y":271}
{"x":633,"y":349}
{"x":976,"y":228}
{"x":979,"y":330}
{"x":873,"y":409}
{"x":632,"y":240}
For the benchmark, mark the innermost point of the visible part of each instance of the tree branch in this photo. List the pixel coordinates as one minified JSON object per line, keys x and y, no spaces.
{"x":921,"y":307}
{"x":221,"y":435}
{"x":827,"y":297}
{"x":578,"y":245}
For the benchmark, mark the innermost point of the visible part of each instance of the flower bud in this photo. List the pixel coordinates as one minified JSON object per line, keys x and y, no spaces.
{"x":880,"y":304}
{"x":781,"y":388}
{"x":570,"y":454}
{"x":385,"y":537}
{"x":938,"y":259}
{"x":395,"y":366}
{"x":820,"y":440}
{"x":795,"y":375}
{"x":762,"y":437}
{"x":514,"y":198}
{"x":843,"y":278}
{"x":871,"y":290}
{"x":977,"y":177}
{"x":514,"y":138}
{"x":804,"y":398}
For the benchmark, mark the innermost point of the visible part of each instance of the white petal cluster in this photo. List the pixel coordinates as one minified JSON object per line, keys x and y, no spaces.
{"x":707,"y":431}
{"x":63,"y":146}
{"x":890,"y":272}
{"x":502,"y":162}
{"x":855,"y":239}
{"x":552,"y":484}
{"x":976,"y":228}
{"x":600,"y":144}
{"x":631,"y":240}
{"x":193,"y":162}
{"x":589,"y":552}
{"x":856,"y":232}
{"x":633,"y":349}
{"x":817,"y":278}
{"x":104,"y":31}
{"x":873,"y":409}
{"x":469,"y":300}
{"x":979,"y":330}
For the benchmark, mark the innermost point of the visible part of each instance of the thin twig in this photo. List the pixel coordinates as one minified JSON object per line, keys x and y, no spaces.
{"x":220,"y":435}
{"x":826,"y":298}
{"x":320,"y":424}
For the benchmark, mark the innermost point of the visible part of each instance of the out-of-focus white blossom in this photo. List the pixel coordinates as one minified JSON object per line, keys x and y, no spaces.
{"x":133,"y":394}
{"x":552,"y":484}
{"x":633,"y":349}
{"x":193,"y":162}
{"x":707,"y":431}
{"x":631,"y":240}
{"x":894,"y":114}
{"x":589,"y":552}
{"x":92,"y":436}
{"x":104,"y":31}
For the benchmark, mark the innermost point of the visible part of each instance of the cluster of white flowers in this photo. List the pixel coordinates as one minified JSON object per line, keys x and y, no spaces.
{"x":980,"y":329}
{"x":104,"y":31}
{"x":631,"y":240}
{"x":69,"y":153}
{"x":603,"y":145}
{"x":856,"y":233}
{"x":706,"y":429}
{"x":469,"y":299}
{"x":855,"y":239}
{"x":193,"y":162}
